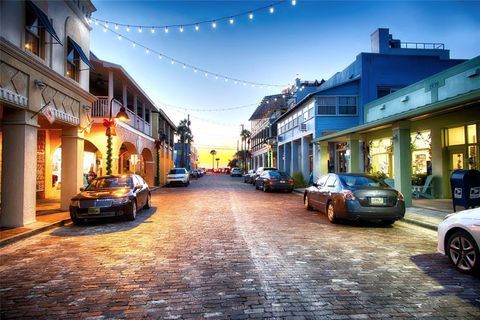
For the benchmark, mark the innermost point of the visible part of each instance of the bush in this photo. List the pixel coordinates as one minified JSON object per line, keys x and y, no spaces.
{"x":418,"y":179}
{"x":298,"y":180}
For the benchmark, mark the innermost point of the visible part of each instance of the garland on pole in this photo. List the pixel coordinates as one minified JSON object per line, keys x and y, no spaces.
{"x":157,"y":163}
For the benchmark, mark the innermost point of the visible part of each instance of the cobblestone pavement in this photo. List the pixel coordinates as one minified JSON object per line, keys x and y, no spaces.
{"x":221,"y":249}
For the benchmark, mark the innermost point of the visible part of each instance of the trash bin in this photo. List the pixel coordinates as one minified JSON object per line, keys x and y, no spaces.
{"x":465,"y":188}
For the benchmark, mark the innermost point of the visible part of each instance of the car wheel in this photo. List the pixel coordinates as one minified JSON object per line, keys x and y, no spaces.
{"x":148,"y":202}
{"x":265,"y":188}
{"x":76,"y":220}
{"x":331,"y":213}
{"x":133,"y":211}
{"x":463,"y":252}
{"x":306,"y":202}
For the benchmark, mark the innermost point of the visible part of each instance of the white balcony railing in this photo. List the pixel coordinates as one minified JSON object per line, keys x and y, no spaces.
{"x":101,"y":109}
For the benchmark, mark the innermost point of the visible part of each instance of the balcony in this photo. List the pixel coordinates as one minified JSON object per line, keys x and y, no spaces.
{"x":100,"y":109}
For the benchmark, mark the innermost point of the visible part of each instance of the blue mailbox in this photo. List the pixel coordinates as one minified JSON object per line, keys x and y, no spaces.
{"x":465,"y":188}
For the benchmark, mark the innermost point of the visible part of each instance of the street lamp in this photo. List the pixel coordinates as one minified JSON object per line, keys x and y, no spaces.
{"x":110,"y":125}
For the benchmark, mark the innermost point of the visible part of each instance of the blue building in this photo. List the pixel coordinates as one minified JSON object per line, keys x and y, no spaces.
{"x":337,"y":104}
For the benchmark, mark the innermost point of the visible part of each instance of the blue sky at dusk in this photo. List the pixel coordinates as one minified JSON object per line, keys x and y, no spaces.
{"x":314,"y":39}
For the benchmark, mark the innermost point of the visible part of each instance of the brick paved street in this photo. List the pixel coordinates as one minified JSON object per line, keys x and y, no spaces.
{"x":221,"y":249}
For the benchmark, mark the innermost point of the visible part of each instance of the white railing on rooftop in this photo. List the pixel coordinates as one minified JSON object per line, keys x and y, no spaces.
{"x":101,"y":109}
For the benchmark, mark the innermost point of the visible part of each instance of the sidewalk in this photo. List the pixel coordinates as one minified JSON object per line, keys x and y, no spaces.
{"x":424,"y":213}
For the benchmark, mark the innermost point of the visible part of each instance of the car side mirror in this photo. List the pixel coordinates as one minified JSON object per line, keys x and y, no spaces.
{"x":82,"y":189}
{"x":315,"y":185}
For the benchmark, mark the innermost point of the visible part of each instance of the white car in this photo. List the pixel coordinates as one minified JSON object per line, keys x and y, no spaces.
{"x":459,"y":238}
{"x":235,"y":172}
{"x":178,"y":176}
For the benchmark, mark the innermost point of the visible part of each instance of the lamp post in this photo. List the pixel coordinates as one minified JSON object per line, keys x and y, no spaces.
{"x":110,"y":125}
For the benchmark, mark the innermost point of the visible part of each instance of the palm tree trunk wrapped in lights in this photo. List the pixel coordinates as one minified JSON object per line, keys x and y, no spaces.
{"x":186,"y":138}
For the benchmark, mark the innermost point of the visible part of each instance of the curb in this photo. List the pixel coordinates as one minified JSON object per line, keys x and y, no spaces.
{"x":29,"y":233}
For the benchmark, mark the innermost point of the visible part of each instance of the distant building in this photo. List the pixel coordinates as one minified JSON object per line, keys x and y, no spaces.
{"x":191,"y":156}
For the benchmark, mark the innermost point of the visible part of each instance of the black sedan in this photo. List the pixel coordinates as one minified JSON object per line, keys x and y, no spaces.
{"x":355,"y":197}
{"x":111,"y":196}
{"x":274,"y":180}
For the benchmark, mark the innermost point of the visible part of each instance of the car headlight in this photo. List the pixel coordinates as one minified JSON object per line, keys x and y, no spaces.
{"x":75,"y":203}
{"x":117,"y":201}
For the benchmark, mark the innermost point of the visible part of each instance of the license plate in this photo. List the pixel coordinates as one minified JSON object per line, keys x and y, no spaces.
{"x":93,"y":210}
{"x":376,"y":200}
{"x":282,"y":181}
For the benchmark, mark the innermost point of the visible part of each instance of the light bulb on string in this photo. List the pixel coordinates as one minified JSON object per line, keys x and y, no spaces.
{"x":96,"y":22}
{"x":140,"y":29}
{"x":104,"y":29}
{"x":184,"y":66}
{"x":181,"y":28}
{"x":216,"y":77}
{"x":166,"y":29}
{"x":231,"y":20}
{"x":250,"y":15}
{"x":134,"y":44}
{"x":226,"y":80}
{"x":119,"y":37}
{"x":214,"y":24}
{"x":195,"y":70}
{"x":128,"y":28}
{"x":160,"y":57}
{"x":294,"y":2}
{"x":147,"y":51}
{"x":206,"y":74}
{"x":152,"y":30}
{"x":172,"y":62}
{"x":116,"y":26}
{"x":197,"y":27}
{"x":272,"y":9}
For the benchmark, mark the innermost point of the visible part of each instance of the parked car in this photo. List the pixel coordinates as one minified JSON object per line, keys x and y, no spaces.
{"x":247,"y":177}
{"x":236,"y":172}
{"x":178,"y":176}
{"x":459,"y":239}
{"x":355,"y":197}
{"x":274,"y":180}
{"x":194,"y":173}
{"x":111,"y":196}
{"x":259,"y":171}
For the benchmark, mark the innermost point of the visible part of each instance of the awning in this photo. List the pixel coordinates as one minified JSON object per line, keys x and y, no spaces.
{"x":80,"y":52}
{"x":43,"y":20}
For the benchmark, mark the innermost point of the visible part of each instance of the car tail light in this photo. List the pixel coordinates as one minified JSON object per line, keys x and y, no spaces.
{"x":400,"y":196}
{"x":348,"y":195}
{"x":290,"y":180}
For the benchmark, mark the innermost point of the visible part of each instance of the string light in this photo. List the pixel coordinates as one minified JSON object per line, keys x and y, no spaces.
{"x":194,"y":68}
{"x":294,"y":2}
{"x":119,"y":37}
{"x":152,"y":30}
{"x":214,"y":22}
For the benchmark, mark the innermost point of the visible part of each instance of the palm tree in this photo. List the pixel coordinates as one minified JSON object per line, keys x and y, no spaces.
{"x":186,"y":138}
{"x":213,"y":153}
{"x":245,"y":134}
{"x":217,"y":159}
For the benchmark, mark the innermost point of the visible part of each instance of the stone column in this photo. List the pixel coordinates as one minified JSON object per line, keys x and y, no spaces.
{"x":124,"y":95}
{"x":110,"y":89}
{"x":295,"y":155}
{"x":354,"y":158}
{"x":320,"y":159}
{"x":304,"y":160}
{"x":402,"y":160}
{"x":72,"y":165}
{"x":280,"y":158}
{"x":135,"y":107}
{"x":288,"y":158}
{"x":19,"y":168}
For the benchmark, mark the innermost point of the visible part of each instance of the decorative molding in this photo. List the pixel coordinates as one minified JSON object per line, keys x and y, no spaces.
{"x":62,"y":116}
{"x":13,"y":98}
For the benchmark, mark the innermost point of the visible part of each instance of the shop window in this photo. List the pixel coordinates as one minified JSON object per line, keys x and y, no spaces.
{"x":73,"y":62}
{"x":472,"y":133}
{"x":34,"y":34}
{"x":421,"y":152}
{"x":384,"y":91}
{"x":455,"y":136}
{"x":380,"y":156}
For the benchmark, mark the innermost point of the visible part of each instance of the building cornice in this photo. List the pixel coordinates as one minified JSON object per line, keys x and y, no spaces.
{"x":14,"y":52}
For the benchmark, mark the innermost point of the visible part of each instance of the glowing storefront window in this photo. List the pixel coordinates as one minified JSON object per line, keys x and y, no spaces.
{"x":381,"y":156}
{"x":472,"y":133}
{"x":421,"y":152}
{"x":456,"y":136}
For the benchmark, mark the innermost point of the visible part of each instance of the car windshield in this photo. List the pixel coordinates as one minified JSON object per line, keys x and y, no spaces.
{"x":110,"y":183}
{"x":361,"y":181}
{"x":177,"y":171}
{"x":278,"y":174}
